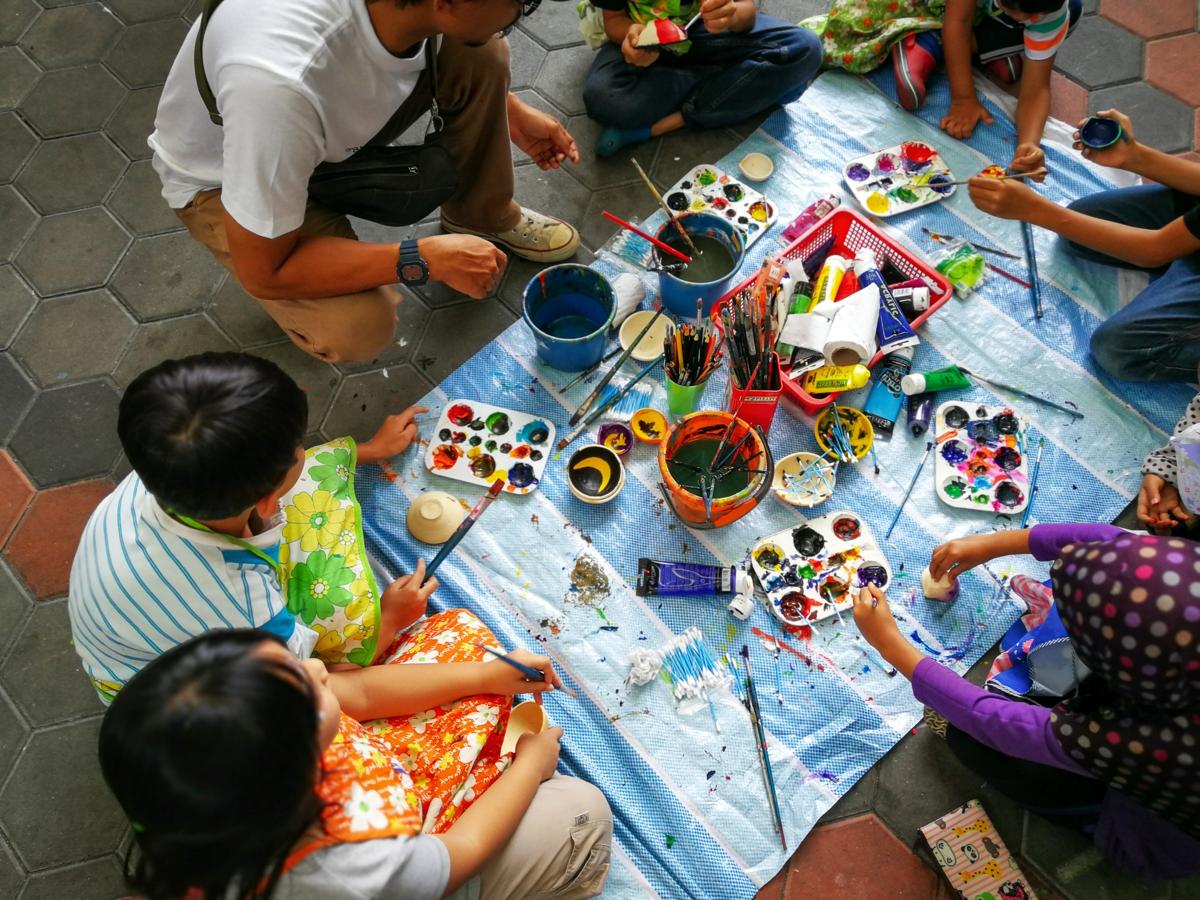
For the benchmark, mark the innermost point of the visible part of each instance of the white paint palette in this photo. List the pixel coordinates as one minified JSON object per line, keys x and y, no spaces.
{"x":981,"y":462}
{"x":478,"y":443}
{"x":900,"y":178}
{"x":708,"y":189}
{"x":812,"y":571}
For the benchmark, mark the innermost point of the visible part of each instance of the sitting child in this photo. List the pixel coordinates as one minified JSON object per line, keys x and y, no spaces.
{"x":1154,"y":227}
{"x":1118,"y":755}
{"x":1159,"y":505}
{"x":735,"y":63}
{"x":242,"y":777}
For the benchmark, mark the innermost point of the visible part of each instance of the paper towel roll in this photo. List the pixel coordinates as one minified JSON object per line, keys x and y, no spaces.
{"x":851,"y":338}
{"x":808,"y":331}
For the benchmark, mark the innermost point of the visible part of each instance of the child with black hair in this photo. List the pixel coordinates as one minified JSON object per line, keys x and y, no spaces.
{"x":243,"y":778}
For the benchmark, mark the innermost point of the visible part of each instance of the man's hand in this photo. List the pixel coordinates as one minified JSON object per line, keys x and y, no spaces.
{"x":635,"y":55}
{"x":963,"y":116}
{"x":393,"y":437}
{"x":1003,"y":198}
{"x":717,"y":15}
{"x":466,"y":263}
{"x":1028,"y":158}
{"x":1120,"y":154}
{"x":1159,"y":504}
{"x":540,"y":135}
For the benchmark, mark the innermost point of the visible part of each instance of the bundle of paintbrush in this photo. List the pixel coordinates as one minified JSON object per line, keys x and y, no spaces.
{"x":750,"y":330}
{"x":691,"y":352}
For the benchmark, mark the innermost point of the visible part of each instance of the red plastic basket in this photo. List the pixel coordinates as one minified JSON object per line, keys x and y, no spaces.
{"x":850,"y":230}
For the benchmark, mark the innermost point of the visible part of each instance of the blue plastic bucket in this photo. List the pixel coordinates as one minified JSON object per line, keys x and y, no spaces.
{"x":569,"y":308}
{"x":679,"y":296}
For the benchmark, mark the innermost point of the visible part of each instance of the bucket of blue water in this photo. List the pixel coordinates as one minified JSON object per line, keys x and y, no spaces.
{"x":710,"y":274}
{"x":569,"y":308}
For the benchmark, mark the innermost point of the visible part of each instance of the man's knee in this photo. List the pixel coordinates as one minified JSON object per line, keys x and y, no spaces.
{"x":588,"y":829}
{"x":366,"y":324}
{"x":465,"y":71}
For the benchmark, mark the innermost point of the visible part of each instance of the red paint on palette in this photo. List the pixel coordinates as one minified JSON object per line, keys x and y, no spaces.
{"x":445,"y":456}
{"x":917,"y":152}
{"x":460,"y":414}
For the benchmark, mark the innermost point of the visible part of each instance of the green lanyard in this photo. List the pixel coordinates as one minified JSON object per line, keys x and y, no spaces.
{"x":245,"y":545}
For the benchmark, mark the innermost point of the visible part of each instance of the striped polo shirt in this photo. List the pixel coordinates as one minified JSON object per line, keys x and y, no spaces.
{"x":1044,"y":33}
{"x":143,"y":582}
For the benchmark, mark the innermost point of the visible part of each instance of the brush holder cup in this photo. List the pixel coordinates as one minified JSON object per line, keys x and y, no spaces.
{"x":708,"y":277}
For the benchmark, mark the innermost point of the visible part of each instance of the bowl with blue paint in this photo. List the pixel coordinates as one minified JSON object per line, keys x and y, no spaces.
{"x":569,"y":308}
{"x":1099,"y":133}
{"x":707,"y":277}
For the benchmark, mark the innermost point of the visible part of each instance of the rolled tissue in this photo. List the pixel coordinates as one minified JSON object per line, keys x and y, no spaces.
{"x":630,"y":291}
{"x":942,"y":589}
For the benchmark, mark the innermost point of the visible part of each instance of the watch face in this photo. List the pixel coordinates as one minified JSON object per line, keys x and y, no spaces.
{"x":412,"y":272}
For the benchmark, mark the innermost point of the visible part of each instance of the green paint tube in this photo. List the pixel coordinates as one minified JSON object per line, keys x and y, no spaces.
{"x":946,"y":379}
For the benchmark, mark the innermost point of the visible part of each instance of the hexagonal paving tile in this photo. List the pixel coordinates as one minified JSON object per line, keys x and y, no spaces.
{"x":600,"y":173}
{"x":526,"y":57}
{"x":1079,"y":869}
{"x":561,"y":78}
{"x":71,"y":173}
{"x":80,"y":416}
{"x":144,"y":53}
{"x":13,"y":733}
{"x":134,"y":11}
{"x":72,"y":251}
{"x":363,"y":401}
{"x":70,"y":36}
{"x":16,"y":300}
{"x":680,"y":151}
{"x":139,"y":203}
{"x":171,"y":339}
{"x":317,"y":379}
{"x":16,"y":219}
{"x":456,"y":333}
{"x":14,"y":502}
{"x":17,"y":75}
{"x":56,"y":807}
{"x":241,"y":317}
{"x":133,"y":121}
{"x":71,"y":101}
{"x":74,"y":337}
{"x":43,"y":674}
{"x":15,"y":18}
{"x":1170,"y":65}
{"x":98,"y":878}
{"x":553,"y":25}
{"x":1150,"y":20}
{"x":16,"y":141}
{"x":1100,"y":53}
{"x":12,"y":876}
{"x":166,"y":275}
{"x":1162,"y":121}
{"x":628,"y":203}
{"x":15,"y":605}
{"x":15,"y":394}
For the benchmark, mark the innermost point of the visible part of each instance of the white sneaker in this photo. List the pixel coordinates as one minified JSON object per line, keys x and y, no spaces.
{"x":537,"y":237}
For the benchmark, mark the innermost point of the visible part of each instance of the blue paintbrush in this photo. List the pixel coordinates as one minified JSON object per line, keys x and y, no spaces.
{"x":1033,"y":476}
{"x":760,"y":737}
{"x":912,"y":484}
{"x":1035,"y":289}
{"x":528,"y":671}
{"x":461,"y":532}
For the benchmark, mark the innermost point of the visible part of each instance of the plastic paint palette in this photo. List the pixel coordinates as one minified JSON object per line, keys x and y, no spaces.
{"x":812,"y":571}
{"x":708,"y":189}
{"x":980,"y":462}
{"x":478,"y":443}
{"x":900,"y":178}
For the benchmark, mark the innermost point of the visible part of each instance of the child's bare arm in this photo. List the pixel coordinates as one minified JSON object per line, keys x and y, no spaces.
{"x":955,"y":557}
{"x":965,"y":109}
{"x":1033,"y":108}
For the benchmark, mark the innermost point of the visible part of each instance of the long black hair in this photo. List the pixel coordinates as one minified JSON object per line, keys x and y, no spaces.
{"x":210,"y":435}
{"x":211,"y":750}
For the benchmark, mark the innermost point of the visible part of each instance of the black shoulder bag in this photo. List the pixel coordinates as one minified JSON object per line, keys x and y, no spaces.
{"x":389,"y":185}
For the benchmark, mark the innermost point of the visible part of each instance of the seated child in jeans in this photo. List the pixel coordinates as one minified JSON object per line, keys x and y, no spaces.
{"x":735,"y":63}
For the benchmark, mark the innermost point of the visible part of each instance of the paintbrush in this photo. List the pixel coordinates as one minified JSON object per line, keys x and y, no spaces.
{"x":687,"y":238}
{"x":760,"y":738}
{"x":608,"y":376}
{"x":1035,"y":289}
{"x":605,"y":406}
{"x":528,"y":671}
{"x":1018,"y":176}
{"x":943,"y":238}
{"x":1033,"y":477}
{"x":589,"y":371}
{"x":461,"y":531}
{"x":629,"y":226}
{"x":912,"y":484}
{"x":1023,"y":393}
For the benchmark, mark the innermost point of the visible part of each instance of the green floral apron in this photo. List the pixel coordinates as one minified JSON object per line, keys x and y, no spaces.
{"x":857,"y":35}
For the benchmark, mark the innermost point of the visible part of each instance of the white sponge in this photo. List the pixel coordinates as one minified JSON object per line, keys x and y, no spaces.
{"x":941,"y":589}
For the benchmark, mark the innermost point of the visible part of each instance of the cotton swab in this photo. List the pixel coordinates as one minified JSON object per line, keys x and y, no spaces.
{"x":912,"y":484}
{"x":629,"y":226}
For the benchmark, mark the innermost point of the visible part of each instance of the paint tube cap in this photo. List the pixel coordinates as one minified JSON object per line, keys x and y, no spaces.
{"x":865,"y":259}
{"x":913,"y":383}
{"x":741,"y":606}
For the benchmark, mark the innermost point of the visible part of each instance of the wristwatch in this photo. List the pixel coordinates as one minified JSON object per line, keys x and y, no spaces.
{"x":411,"y":269}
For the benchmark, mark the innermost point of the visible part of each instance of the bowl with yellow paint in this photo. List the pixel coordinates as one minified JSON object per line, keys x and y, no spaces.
{"x":595,"y":474}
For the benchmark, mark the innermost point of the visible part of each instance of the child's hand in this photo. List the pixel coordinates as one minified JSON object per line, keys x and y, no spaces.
{"x":960,"y":555}
{"x":393,"y":436}
{"x":1159,"y":503}
{"x":1004,"y":199}
{"x":964,"y":115}
{"x":874,"y":619}
{"x":635,"y":55}
{"x":1028,"y":158}
{"x":717,"y":15}
{"x":1119,"y":155}
{"x":501,"y":678}
{"x":404,"y":601}
{"x":540,"y":750}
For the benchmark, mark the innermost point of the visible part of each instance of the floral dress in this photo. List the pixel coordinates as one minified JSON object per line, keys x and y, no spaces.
{"x":857,"y":35}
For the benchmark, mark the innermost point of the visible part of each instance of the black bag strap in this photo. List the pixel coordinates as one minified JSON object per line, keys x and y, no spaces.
{"x":391,"y":128}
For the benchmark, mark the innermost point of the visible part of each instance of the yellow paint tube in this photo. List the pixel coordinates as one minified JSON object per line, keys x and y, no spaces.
{"x":828,"y":379}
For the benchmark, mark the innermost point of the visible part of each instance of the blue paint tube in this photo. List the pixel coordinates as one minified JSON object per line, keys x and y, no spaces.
{"x":886,"y":397}
{"x":677,"y":579}
{"x":920,"y":413}
{"x":893,"y":330}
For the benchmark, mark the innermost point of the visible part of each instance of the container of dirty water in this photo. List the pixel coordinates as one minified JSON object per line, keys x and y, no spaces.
{"x":707,"y":277}
{"x":569,"y":308}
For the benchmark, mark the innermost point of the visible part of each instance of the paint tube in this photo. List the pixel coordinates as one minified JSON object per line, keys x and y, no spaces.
{"x":946,"y":379}
{"x":812,"y":214}
{"x":893,"y":331}
{"x":828,"y":379}
{"x":848,"y":287}
{"x":798,"y":292}
{"x":883,"y":403}
{"x":913,"y":300}
{"x":830,"y":278}
{"x":658,"y":578}
{"x":920,"y":413}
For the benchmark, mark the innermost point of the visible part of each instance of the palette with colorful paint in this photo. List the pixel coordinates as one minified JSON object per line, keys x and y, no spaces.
{"x":980,"y":462}
{"x":812,"y":571}
{"x":708,"y":189}
{"x":900,"y":178}
{"x":478,"y":443}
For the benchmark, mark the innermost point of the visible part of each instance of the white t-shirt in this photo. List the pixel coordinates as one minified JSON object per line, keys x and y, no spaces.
{"x":298,"y":83}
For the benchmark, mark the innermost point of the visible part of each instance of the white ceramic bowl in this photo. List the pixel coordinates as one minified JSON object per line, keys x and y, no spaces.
{"x":756,"y":166}
{"x":810,"y":492}
{"x":649,"y":347}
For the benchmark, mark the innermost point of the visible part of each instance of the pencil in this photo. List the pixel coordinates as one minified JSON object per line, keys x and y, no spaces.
{"x":760,"y":737}
{"x":528,"y":671}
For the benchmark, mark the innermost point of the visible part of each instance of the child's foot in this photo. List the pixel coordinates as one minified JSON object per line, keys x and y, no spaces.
{"x":913,"y":59}
{"x":613,"y":139}
{"x":1006,"y":70}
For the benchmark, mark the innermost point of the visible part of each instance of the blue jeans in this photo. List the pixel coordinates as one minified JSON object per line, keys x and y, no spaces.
{"x":722,"y":79}
{"x":1157,"y":336}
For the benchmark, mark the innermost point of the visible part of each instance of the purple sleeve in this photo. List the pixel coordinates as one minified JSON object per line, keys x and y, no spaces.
{"x":1047,"y":541}
{"x":1018,"y":729}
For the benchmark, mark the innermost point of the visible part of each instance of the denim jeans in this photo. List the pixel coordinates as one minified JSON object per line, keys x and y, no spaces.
{"x":1157,"y":336}
{"x":722,"y":79}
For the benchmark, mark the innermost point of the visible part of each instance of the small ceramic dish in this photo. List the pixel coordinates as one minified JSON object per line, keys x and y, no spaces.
{"x":595,"y":474}
{"x":616,"y":437}
{"x":804,"y":479}
{"x":524,"y":718}
{"x":433,"y":517}
{"x":1098,"y":133}
{"x":649,"y":425}
{"x":756,"y":166}
{"x":650,"y":347}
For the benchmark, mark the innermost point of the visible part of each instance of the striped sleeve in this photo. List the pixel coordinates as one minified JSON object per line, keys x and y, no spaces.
{"x":1045,"y":34}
